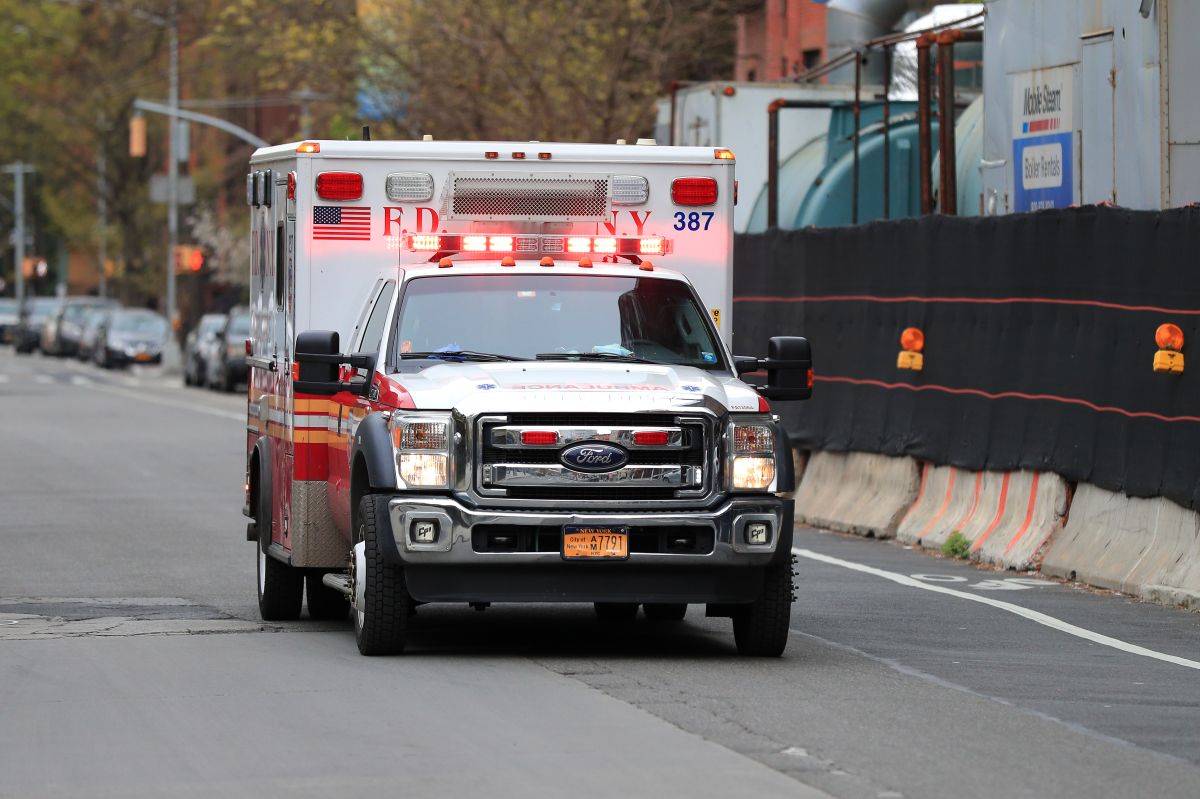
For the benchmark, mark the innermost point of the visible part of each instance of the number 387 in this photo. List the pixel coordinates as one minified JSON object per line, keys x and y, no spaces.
{"x":696,"y":220}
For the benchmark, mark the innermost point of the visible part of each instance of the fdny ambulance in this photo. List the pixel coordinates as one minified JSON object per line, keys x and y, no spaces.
{"x":502,"y":372}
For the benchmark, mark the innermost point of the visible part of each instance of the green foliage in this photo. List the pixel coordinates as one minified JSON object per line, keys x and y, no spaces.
{"x":957,"y":546}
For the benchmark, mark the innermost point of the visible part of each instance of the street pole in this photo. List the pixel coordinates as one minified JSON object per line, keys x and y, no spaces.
{"x":18,"y":170}
{"x":102,"y":208}
{"x":173,"y":164}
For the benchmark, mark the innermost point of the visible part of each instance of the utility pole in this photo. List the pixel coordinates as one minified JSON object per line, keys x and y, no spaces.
{"x":19,"y":170}
{"x":173,"y":163}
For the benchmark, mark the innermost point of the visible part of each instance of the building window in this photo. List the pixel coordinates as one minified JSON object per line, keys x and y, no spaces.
{"x":811,"y":58}
{"x":783,"y":67}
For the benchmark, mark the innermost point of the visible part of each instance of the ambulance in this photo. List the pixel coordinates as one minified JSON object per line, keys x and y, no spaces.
{"x":502,"y":372}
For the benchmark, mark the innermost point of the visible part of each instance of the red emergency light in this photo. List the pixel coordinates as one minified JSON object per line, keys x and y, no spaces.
{"x":339,"y":185}
{"x":650,"y":438}
{"x":539,"y":438}
{"x":694,"y":191}
{"x":534,"y":245}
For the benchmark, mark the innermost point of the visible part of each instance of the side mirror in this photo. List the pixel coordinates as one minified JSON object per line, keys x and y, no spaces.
{"x":744,"y":363}
{"x":317,"y":353}
{"x":789,"y":369}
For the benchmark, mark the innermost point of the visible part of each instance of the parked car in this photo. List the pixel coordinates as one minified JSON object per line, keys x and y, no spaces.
{"x":131,"y":336}
{"x":28,"y":334}
{"x":62,"y":329}
{"x":8,"y":319}
{"x":198,"y":342}
{"x":225,"y":359}
{"x":93,"y":324}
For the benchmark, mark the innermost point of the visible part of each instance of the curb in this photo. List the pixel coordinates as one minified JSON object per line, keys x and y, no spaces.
{"x":856,"y":492}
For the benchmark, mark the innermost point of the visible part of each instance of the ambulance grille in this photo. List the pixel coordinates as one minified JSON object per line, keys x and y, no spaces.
{"x":526,"y":197}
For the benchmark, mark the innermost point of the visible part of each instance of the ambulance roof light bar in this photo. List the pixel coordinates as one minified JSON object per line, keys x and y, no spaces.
{"x":534,"y":245}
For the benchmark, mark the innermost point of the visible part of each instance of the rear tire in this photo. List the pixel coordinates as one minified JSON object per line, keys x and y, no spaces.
{"x":761,"y":628}
{"x":280,"y":589}
{"x":616,"y":611}
{"x":324,"y":603}
{"x":672,"y":611}
{"x":381,"y":624}
{"x":280,"y":585}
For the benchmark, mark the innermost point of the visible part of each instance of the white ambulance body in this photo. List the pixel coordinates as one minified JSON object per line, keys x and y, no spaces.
{"x":337,"y":223}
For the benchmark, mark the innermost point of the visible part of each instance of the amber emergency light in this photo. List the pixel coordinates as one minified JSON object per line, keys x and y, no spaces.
{"x":912,"y":341}
{"x":1169,"y":357}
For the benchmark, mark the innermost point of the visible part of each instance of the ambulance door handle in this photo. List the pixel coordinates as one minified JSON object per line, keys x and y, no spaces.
{"x":262,"y":363}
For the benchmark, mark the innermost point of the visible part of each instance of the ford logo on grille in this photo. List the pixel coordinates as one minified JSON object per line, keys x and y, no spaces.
{"x":594,"y":457}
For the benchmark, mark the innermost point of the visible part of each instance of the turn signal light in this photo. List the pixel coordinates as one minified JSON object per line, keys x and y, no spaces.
{"x":694,"y":191}
{"x":539,"y":438}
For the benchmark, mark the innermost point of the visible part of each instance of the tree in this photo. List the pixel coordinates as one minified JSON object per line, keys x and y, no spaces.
{"x":572,"y":70}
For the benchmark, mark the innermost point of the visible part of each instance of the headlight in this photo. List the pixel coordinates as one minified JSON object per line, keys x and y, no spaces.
{"x":422,"y":447}
{"x":751,"y":461}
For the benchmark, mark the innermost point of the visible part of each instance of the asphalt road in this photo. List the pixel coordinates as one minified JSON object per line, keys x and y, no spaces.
{"x":132,"y":662}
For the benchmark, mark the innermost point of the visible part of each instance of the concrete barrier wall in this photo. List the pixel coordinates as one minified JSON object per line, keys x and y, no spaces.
{"x":856,"y":492}
{"x":1007,"y":516}
{"x":1146,"y":547}
{"x":1149,"y":548}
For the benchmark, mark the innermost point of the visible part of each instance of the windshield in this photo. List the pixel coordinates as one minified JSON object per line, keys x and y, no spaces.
{"x":556,"y":316}
{"x":145,"y":324}
{"x":211,"y":324}
{"x":76,"y":311}
{"x":41,"y":307}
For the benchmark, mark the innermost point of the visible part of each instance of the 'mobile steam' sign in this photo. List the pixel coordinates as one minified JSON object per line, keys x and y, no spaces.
{"x":1042,"y":137}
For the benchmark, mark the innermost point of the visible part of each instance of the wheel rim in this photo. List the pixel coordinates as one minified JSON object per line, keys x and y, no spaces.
{"x":355,"y":577}
{"x":262,"y":571}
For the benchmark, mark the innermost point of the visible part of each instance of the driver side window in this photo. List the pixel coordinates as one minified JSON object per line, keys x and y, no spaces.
{"x":373,"y":331}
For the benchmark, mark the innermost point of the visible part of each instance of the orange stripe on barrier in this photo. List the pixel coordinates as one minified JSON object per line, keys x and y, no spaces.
{"x":1028,"y":515}
{"x":999,"y":514}
{"x":974,"y":504}
{"x":942,"y":510}
{"x":920,"y":492}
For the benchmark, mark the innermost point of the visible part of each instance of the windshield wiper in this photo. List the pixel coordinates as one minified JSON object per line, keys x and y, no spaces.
{"x":462,"y":355}
{"x":592,"y":356}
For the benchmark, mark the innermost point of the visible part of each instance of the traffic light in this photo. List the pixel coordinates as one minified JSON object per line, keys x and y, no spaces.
{"x":189,"y":259}
{"x":137,"y":136}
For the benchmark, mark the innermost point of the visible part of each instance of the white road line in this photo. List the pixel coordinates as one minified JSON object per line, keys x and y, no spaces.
{"x":1025,"y":613}
{"x":43,"y":379}
{"x":172,"y":403}
{"x":80,"y":380}
{"x":3,"y":378}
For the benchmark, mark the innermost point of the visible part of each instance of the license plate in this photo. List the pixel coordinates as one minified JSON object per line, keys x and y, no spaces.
{"x":142,"y":356}
{"x":595,"y":543}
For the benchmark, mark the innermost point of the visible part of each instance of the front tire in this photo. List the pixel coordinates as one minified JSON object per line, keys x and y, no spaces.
{"x":381,"y":621}
{"x":761,"y":628}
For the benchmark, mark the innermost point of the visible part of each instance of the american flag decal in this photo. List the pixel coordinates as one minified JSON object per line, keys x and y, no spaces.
{"x":343,"y":223}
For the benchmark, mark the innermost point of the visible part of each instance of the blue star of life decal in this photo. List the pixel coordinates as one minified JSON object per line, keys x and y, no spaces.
{"x":486,"y":386}
{"x":690,"y":388}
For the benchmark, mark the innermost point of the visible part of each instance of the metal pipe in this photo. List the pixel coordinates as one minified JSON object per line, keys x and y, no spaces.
{"x":881,"y":41}
{"x":858,"y":60}
{"x":773,"y":150}
{"x":674,"y":90}
{"x":948,"y":185}
{"x":924,"y":125}
{"x":887,"y":118}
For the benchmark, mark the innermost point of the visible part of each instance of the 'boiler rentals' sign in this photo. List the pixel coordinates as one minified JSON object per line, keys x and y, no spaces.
{"x":1042,"y":139}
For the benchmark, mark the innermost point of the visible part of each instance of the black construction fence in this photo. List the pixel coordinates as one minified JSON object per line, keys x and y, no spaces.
{"x":1039,"y":340}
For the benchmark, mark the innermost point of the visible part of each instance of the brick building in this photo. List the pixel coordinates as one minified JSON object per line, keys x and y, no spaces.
{"x":777,"y":39}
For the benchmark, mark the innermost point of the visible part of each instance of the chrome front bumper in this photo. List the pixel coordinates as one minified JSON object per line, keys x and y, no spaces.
{"x":454,"y":545}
